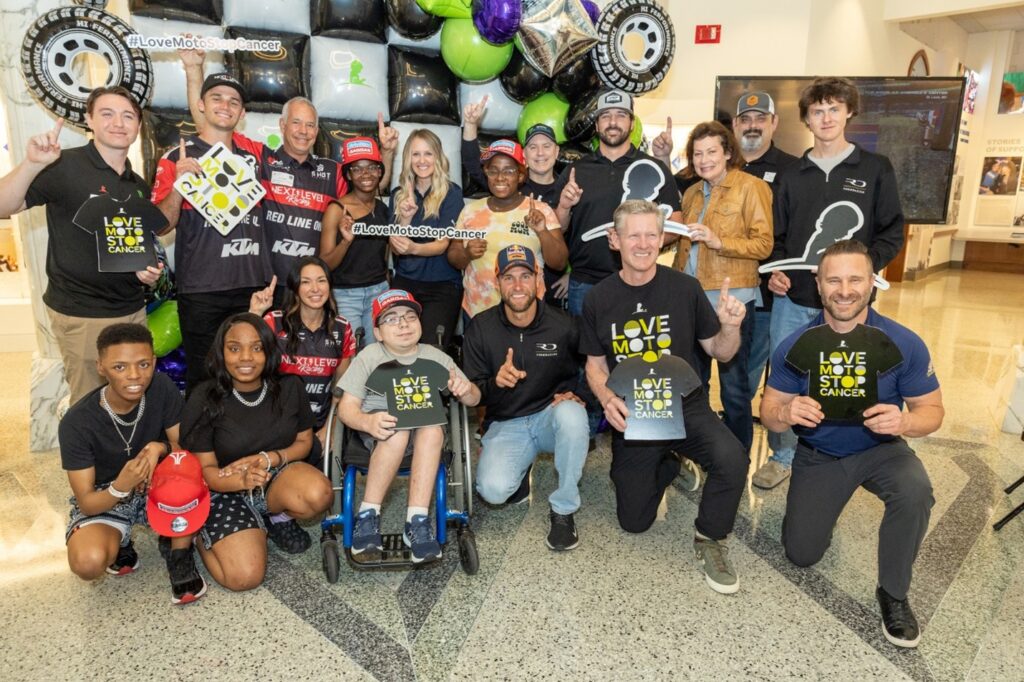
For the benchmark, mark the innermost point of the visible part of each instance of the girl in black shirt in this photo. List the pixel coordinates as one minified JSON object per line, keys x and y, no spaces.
{"x":249,"y":427}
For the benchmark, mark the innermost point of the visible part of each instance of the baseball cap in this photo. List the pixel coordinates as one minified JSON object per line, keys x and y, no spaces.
{"x":215,"y":79}
{"x":359,"y":148}
{"x":509,"y":148}
{"x":539,"y":129}
{"x":179,"y":499}
{"x":614,"y":99}
{"x":515,"y":255}
{"x":755,"y":101}
{"x":389,"y":299}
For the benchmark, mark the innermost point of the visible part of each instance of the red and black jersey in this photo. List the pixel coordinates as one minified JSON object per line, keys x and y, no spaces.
{"x":298,"y":193}
{"x":204,"y":259}
{"x":316,"y":358}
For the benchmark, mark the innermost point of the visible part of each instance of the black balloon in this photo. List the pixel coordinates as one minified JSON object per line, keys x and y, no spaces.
{"x":198,"y":11}
{"x":410,"y":21}
{"x":334,"y":133}
{"x":521,"y":81}
{"x":270,"y":78}
{"x":570,"y":153}
{"x":578,"y":80}
{"x":579,"y":124}
{"x":421,"y":89}
{"x":353,"y":19}
{"x":161,"y":130}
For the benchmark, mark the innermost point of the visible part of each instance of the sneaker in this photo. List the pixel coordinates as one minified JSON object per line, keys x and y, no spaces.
{"x":522,"y":493}
{"x":127,"y":561}
{"x":770,"y":475}
{"x":163,"y":545}
{"x":187,"y":585}
{"x":718,"y":570}
{"x":563,"y":535}
{"x":689,"y":473}
{"x":366,"y":534}
{"x":419,"y":537}
{"x":898,"y":622}
{"x":289,"y":536}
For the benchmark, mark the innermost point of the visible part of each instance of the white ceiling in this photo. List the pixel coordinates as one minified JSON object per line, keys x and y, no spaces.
{"x":1005,"y":19}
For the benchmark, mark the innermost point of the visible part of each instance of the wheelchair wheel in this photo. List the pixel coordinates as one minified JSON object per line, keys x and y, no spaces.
{"x":331,"y":559}
{"x":468,"y":556}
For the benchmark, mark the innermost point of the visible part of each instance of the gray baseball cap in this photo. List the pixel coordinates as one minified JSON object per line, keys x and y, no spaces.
{"x":614,"y":99}
{"x":755,"y":101}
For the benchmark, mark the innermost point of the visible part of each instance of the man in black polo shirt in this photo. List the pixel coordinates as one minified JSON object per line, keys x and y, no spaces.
{"x":594,"y":186}
{"x":81,"y":300}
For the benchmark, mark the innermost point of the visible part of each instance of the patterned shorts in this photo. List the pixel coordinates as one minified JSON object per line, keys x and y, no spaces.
{"x":236,"y":511}
{"x":125,"y":514}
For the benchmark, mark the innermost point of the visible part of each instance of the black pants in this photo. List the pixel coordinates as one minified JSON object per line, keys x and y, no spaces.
{"x":821,"y":486}
{"x":441,"y":303}
{"x":200,"y":316}
{"x":641,"y":470}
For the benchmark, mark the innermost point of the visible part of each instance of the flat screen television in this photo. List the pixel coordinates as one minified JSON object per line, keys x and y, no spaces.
{"x":913,"y":121}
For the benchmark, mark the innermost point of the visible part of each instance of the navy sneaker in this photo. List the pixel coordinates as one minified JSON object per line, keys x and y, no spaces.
{"x":419,"y":537}
{"x":127,"y":561}
{"x":366,"y":534}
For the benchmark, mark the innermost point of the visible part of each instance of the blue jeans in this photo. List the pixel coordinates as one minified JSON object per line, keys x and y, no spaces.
{"x":510,"y":446}
{"x":759,"y":349}
{"x":356,"y":306}
{"x":734,"y":392}
{"x":787,"y":317}
{"x":577,"y":292}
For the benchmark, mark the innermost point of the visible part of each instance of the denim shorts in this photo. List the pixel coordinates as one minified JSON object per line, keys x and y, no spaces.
{"x":122,"y":516}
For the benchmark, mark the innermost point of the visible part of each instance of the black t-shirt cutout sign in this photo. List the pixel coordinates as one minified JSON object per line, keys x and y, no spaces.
{"x":653,"y":393}
{"x":124,"y":230}
{"x":643,"y":180}
{"x":413,"y":391}
{"x":843,"y":369}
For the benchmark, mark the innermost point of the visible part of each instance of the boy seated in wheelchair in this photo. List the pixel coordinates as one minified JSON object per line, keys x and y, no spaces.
{"x":364,"y":408}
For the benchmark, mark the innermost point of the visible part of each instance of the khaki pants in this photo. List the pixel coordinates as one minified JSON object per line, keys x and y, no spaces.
{"x":76,"y":338}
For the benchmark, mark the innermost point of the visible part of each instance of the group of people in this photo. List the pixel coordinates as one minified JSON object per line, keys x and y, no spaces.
{"x":564,"y":288}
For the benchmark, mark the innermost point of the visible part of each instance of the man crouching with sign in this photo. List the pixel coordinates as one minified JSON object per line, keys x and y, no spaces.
{"x":392,"y":394}
{"x":841,"y":382}
{"x":649,"y":311}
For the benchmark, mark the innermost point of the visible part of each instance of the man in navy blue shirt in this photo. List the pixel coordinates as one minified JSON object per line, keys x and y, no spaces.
{"x":861,"y":356}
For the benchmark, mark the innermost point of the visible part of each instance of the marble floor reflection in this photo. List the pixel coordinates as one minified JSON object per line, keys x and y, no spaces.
{"x":620,"y":607}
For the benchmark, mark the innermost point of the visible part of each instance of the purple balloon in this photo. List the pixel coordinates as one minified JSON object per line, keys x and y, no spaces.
{"x":592,"y":9}
{"x":173,"y":365}
{"x":497,"y":20}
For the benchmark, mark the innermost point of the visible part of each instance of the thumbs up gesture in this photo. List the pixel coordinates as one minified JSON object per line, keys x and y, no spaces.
{"x":508,"y":376}
{"x":730,"y":311}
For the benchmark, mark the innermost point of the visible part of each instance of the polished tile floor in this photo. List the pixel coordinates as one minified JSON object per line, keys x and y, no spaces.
{"x":620,"y":607}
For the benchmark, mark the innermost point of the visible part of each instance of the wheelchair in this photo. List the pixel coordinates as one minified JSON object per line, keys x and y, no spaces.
{"x":347,"y":456}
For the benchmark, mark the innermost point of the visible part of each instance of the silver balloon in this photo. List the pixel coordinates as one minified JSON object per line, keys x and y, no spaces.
{"x":555,"y":33}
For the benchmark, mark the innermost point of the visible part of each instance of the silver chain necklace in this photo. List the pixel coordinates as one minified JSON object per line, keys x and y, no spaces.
{"x":251,"y":403}
{"x":118,"y":422}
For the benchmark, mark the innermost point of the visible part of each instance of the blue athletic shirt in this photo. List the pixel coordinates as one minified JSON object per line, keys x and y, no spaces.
{"x":913,"y":377}
{"x":431,"y":268}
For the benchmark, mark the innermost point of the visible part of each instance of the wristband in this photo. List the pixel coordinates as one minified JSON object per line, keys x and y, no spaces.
{"x":280,"y":458}
{"x":270,"y":465}
{"x":117,"y":493}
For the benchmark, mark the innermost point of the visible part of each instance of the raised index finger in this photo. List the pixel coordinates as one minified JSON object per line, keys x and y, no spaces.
{"x":182,"y":152}
{"x":380,"y":123}
{"x":508,"y":357}
{"x":56,"y":129}
{"x":273,"y":283}
{"x":572,"y":175}
{"x":725,"y":289}
{"x":668,"y":125}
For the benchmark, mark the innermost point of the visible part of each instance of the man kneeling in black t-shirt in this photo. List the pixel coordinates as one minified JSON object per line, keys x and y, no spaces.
{"x":110,"y":443}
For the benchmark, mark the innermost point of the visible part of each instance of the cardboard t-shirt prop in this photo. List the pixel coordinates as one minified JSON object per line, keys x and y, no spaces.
{"x":125,"y":231}
{"x":653,"y":392}
{"x":227,"y":190}
{"x":843,"y":369}
{"x":413,"y":391}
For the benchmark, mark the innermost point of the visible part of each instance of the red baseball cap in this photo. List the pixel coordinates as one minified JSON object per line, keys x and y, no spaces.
{"x":392,"y":297}
{"x":359,"y":148}
{"x":509,"y":148}
{"x":179,"y":499}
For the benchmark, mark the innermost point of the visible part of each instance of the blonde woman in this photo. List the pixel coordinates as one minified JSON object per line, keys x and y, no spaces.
{"x":425,"y":196}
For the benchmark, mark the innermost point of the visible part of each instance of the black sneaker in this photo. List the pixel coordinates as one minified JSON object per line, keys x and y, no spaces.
{"x":522,"y":493}
{"x":187,"y":585}
{"x":563,"y":535}
{"x":898,"y":622}
{"x":163,"y":545}
{"x":127,"y":561}
{"x":289,"y":536}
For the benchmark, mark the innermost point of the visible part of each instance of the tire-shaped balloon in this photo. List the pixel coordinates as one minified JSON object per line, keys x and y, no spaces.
{"x":54,"y":41}
{"x":412,"y":21}
{"x":95,"y":4}
{"x":647,"y":20}
{"x":521,"y":82}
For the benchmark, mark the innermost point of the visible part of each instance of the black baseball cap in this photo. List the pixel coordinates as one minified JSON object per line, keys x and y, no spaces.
{"x":215,"y":79}
{"x":539,"y":129}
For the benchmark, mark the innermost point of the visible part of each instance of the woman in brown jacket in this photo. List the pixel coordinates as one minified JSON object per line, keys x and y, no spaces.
{"x":730,"y":219}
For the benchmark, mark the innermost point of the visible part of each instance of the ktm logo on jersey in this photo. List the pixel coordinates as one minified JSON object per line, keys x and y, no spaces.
{"x":240,"y":247}
{"x":292,"y":248}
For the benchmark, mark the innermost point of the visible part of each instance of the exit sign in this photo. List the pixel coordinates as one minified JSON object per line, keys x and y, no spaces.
{"x":708,"y":33}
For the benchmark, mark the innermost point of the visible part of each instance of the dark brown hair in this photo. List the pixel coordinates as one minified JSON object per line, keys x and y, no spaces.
{"x":118,"y":90}
{"x":715,"y":129}
{"x":847,"y":247}
{"x":832,"y":89}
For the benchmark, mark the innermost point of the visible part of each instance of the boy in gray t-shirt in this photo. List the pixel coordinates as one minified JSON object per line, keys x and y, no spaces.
{"x":391,"y":392}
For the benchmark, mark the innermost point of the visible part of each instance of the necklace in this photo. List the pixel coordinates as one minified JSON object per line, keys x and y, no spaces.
{"x":251,"y":403}
{"x":118,"y":422}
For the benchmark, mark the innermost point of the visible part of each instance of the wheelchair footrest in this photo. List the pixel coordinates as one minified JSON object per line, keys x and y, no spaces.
{"x":395,"y":555}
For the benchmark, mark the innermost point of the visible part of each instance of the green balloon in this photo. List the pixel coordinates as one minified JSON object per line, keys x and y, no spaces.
{"x":549,"y":109}
{"x":458,"y":9}
{"x":468,"y":55}
{"x":163,"y":325}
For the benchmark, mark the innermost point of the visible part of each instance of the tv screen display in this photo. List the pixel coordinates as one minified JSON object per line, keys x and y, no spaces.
{"x":913,"y":121}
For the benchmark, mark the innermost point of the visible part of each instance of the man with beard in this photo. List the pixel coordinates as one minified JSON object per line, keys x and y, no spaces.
{"x":841,"y":382}
{"x":522,"y":354}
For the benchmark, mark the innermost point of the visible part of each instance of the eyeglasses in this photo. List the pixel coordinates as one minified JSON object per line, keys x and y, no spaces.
{"x":368,"y":169}
{"x":504,"y":172}
{"x":396,"y":319}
